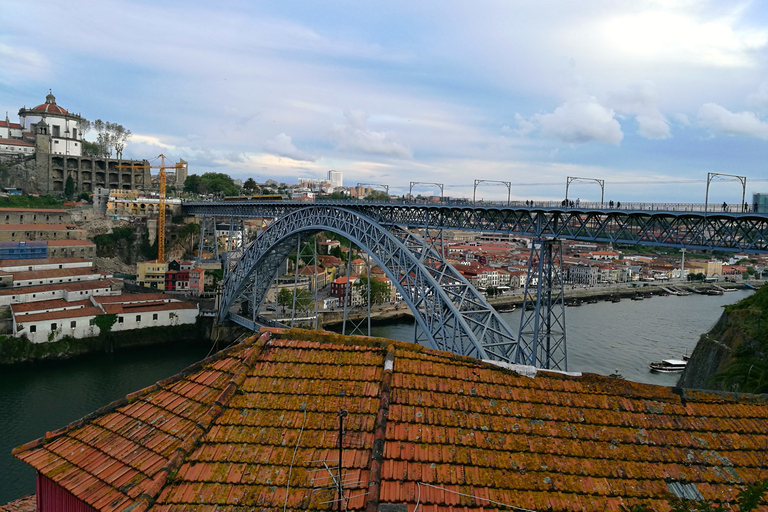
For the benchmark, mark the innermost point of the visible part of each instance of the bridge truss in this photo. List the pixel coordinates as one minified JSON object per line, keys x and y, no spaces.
{"x":450,"y":313}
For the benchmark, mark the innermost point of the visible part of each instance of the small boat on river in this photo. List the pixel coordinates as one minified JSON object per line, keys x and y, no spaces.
{"x":668,"y":366}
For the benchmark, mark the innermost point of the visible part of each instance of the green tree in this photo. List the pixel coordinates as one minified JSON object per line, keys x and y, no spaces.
{"x":211,"y":183}
{"x":250,"y":185}
{"x":379,"y":289}
{"x":377,"y":195}
{"x":339,"y":195}
{"x":69,"y":188}
{"x":91,"y":149}
{"x":304,"y":298}
{"x":192,"y":184}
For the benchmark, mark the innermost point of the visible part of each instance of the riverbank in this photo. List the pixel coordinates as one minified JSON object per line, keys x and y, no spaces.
{"x":383,"y":314}
{"x":14,"y":351}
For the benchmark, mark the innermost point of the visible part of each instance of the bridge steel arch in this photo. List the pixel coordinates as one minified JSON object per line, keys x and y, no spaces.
{"x":450,"y":313}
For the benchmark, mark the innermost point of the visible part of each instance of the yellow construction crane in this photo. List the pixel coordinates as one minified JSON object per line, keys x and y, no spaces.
{"x":161,"y":208}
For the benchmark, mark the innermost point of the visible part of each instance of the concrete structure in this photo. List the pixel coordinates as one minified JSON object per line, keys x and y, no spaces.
{"x":70,"y":249}
{"x":137,"y":203}
{"x":31,"y":232}
{"x":34,"y":216}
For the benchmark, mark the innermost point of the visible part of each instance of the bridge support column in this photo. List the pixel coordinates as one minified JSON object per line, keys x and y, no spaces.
{"x":541,"y":341}
{"x":208,"y":248}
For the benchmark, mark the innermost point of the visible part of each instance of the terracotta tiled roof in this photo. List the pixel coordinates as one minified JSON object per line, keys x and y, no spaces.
{"x":53,"y":273}
{"x":64,"y":243}
{"x":16,"y":142}
{"x":245,"y":429}
{"x":48,"y":304}
{"x":70,"y":287}
{"x":34,"y":210}
{"x":57,"y":315}
{"x":134,"y":297}
{"x":117,"y":309}
{"x":42,"y":261}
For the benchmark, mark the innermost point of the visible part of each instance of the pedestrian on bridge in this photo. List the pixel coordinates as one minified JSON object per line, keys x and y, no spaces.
{"x":755,"y":207}
{"x":725,"y":206}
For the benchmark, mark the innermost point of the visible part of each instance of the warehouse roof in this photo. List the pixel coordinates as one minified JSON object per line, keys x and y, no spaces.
{"x":257,"y":426}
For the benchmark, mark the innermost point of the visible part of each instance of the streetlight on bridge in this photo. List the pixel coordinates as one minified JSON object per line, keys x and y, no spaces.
{"x":438,"y":185}
{"x":576,"y":178}
{"x":507,"y":184}
{"x":711,"y":176}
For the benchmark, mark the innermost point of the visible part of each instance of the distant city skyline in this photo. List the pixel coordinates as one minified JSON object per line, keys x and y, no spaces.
{"x":647,"y":96}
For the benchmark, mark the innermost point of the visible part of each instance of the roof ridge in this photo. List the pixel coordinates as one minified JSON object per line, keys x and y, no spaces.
{"x":148,"y":497}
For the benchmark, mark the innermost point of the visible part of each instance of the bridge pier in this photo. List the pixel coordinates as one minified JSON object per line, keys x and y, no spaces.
{"x":541,"y":340}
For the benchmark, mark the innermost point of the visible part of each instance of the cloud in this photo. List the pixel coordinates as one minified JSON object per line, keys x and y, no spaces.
{"x":719,"y":120}
{"x":576,"y":122}
{"x":21,"y":65}
{"x":356,"y":136}
{"x":283,"y":146}
{"x":759,"y":99}
{"x":641,"y":100}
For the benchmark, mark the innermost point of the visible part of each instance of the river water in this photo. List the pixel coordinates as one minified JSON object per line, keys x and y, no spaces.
{"x":602,"y":338}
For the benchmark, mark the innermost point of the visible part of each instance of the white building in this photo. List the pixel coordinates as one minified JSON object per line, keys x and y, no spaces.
{"x":69,"y":292}
{"x":64,"y":128}
{"x":53,"y":321}
{"x":335,"y":179}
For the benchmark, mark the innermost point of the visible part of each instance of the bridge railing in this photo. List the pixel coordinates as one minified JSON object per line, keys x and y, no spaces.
{"x":576,"y":204}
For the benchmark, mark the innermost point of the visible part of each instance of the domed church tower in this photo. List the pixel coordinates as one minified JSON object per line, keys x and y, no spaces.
{"x":66,"y":137}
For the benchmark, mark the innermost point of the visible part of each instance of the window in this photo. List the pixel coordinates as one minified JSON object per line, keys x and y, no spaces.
{"x":119,"y":319}
{"x":154,"y":316}
{"x":53,"y":327}
{"x":138,"y":318}
{"x":92,"y":322}
{"x":72,"y":324}
{"x":32,"y":328}
{"x":56,"y":132}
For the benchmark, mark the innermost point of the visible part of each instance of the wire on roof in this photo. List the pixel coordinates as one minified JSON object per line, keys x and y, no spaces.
{"x":419,"y":484}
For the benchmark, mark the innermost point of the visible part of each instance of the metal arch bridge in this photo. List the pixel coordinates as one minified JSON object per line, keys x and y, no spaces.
{"x":450,"y":313}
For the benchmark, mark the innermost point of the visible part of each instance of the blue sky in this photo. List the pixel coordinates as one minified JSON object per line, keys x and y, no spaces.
{"x":649,"y":96}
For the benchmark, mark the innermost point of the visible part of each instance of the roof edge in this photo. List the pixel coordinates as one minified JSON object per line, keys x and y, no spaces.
{"x":120,"y":402}
{"x":160,"y":478}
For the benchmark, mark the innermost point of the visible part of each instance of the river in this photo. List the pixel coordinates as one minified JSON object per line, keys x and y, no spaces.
{"x":602,"y":338}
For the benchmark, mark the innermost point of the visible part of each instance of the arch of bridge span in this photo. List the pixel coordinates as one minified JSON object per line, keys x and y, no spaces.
{"x":450,"y":313}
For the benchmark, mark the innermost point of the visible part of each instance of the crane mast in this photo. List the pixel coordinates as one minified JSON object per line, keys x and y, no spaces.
{"x":161,"y":213}
{"x":162,"y":179}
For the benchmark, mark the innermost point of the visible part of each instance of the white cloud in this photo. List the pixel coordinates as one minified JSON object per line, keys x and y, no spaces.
{"x":282,"y":145}
{"x":355,"y":135}
{"x":576,"y":122}
{"x":21,"y":65}
{"x":759,"y":99}
{"x":720,"y":120}
{"x":641,"y":100}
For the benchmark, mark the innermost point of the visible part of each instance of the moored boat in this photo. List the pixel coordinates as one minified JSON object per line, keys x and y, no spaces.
{"x":668,"y":366}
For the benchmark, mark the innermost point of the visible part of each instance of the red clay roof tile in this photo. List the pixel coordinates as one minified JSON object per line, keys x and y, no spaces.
{"x":459,"y":425}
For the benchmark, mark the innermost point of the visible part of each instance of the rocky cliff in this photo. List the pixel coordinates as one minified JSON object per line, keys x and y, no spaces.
{"x":733,"y":356}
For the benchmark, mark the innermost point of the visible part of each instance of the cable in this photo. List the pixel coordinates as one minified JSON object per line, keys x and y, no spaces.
{"x":419,"y":484}
{"x":290,"y":468}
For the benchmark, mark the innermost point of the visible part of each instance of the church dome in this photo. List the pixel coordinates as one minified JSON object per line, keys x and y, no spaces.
{"x":50,"y":106}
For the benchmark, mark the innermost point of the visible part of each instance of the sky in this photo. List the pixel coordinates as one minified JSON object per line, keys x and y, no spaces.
{"x":647,"y":96}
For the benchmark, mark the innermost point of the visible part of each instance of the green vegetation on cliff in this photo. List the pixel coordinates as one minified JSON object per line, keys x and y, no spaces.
{"x":25,"y":201}
{"x":744,"y":327}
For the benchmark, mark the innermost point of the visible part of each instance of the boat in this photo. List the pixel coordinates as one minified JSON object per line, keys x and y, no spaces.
{"x":616,"y":299}
{"x":574,"y":303}
{"x":668,"y":366}
{"x":637,"y":297}
{"x":648,"y":295}
{"x":592,"y":300}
